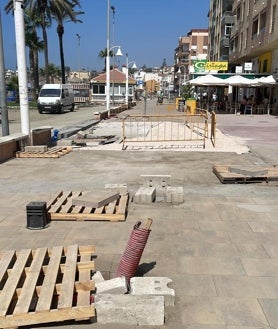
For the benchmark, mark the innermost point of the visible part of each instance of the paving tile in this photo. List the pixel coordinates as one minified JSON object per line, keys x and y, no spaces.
{"x":211,"y":265}
{"x":252,"y":250}
{"x":221,"y":311}
{"x":194,"y":236}
{"x":260,"y":267}
{"x":208,"y":225}
{"x":271,"y":248}
{"x":246,"y":287}
{"x":193,"y":285}
{"x":221,"y":249}
{"x":270,"y":308}
{"x":240,"y":237}
{"x":264,"y":227}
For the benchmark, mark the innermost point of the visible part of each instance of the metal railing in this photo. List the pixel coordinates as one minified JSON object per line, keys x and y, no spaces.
{"x":151,"y":129}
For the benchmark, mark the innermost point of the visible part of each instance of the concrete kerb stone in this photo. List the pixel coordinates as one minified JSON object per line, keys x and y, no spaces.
{"x":130,"y":309}
{"x":154,"y":286}
{"x":97,"y":277}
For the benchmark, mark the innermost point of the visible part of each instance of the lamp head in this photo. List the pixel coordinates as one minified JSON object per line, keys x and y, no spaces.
{"x":119,"y":52}
{"x":134,"y":66}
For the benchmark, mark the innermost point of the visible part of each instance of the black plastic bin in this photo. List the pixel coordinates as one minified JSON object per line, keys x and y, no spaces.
{"x":36,"y":215}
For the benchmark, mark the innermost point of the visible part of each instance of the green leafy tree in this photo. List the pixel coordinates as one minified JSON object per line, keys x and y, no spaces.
{"x":43,"y":7}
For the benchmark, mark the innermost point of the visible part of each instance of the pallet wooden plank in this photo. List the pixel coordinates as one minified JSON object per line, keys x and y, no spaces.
{"x":75,"y":313}
{"x":110,"y":208}
{"x":60,"y":201}
{"x":5,"y":262}
{"x":47,"y":290}
{"x":84,"y":275}
{"x":122,"y":204}
{"x":9,"y":289}
{"x":30,"y":283}
{"x":87,"y":217}
{"x":67,"y":207}
{"x":66,"y":296}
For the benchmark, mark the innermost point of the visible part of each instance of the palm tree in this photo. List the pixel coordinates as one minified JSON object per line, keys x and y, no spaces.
{"x":43,"y":8}
{"x":61,"y":15}
{"x":103,"y":54}
{"x":35,"y":45}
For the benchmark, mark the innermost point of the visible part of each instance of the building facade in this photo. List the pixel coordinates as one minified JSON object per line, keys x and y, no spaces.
{"x":254,"y":37}
{"x":192,"y":47}
{"x":221,"y":21}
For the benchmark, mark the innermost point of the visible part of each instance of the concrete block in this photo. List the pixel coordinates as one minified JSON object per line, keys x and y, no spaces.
{"x":36,"y":148}
{"x":154,"y":286}
{"x":174,"y":194}
{"x":130,"y":309}
{"x":97,"y":277}
{"x":113,"y":286}
{"x":159,"y":182}
{"x":120,"y":188}
{"x":145,"y":195}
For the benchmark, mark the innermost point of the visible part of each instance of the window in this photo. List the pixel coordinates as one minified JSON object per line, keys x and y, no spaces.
{"x":273,"y":18}
{"x":228,"y":28}
{"x":255,"y":28}
{"x":265,"y":65}
{"x":98,"y":89}
{"x":262,"y":22}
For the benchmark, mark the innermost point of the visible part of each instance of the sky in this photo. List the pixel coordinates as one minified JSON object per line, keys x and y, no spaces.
{"x":147,"y":30}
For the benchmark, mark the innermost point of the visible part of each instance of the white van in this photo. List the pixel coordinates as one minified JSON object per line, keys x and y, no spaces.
{"x":55,"y":98}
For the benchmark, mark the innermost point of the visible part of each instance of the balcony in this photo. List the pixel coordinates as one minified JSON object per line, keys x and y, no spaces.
{"x":225,"y":42}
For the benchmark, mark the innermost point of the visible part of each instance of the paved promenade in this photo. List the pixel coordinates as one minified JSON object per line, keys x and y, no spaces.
{"x":219,"y":247}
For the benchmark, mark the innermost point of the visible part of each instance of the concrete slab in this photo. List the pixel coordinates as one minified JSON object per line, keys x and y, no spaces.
{"x":95,"y":199}
{"x":130,"y":310}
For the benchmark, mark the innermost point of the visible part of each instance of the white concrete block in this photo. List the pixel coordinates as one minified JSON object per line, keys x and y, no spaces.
{"x":174,"y":194}
{"x":113,"y":286}
{"x":130,"y":309}
{"x":154,"y":286}
{"x":97,"y":277}
{"x":145,"y":195}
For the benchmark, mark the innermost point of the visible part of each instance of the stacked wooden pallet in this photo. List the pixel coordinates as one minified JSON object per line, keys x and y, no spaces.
{"x":53,"y":152}
{"x":241,"y":174}
{"x":62,"y":208}
{"x":46,"y":285}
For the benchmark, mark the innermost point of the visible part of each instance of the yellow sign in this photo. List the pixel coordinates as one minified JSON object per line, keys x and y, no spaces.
{"x":216,"y":66}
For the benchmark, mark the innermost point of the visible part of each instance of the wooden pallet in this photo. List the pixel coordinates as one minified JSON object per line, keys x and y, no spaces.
{"x":53,"y":152}
{"x":61,"y":208}
{"x":237,"y":174}
{"x":46,"y":285}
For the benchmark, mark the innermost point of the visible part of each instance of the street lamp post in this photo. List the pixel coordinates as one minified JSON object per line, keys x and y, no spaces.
{"x":126,"y":77}
{"x":180,"y":80}
{"x":108,"y":49}
{"x":78,"y":37}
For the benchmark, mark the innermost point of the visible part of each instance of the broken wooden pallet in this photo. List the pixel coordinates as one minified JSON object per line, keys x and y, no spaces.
{"x":61,"y":208}
{"x":46,"y":285}
{"x":241,"y":174}
{"x":53,"y":152}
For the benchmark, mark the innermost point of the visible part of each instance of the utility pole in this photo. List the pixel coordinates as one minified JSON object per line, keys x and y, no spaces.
{"x":3,"y":96}
{"x":21,"y":64}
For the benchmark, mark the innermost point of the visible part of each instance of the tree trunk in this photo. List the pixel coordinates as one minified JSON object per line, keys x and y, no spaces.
{"x":60,"y":31}
{"x":32,"y":74}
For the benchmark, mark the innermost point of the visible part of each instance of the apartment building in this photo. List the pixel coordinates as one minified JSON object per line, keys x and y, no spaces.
{"x":254,"y":37}
{"x":191,"y":48}
{"x":221,"y":21}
